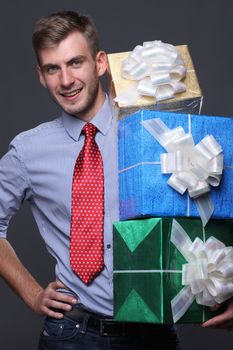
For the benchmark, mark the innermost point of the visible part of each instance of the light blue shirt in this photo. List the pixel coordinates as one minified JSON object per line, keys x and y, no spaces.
{"x":39,"y":168}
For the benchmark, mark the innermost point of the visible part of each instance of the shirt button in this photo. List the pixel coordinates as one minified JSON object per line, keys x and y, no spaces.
{"x":109,"y":246}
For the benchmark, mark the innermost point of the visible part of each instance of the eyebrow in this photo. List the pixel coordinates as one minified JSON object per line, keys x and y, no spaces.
{"x":79,"y":59}
{"x":51,"y":65}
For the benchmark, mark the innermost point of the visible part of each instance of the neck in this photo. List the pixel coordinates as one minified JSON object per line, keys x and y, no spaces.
{"x":100,"y":99}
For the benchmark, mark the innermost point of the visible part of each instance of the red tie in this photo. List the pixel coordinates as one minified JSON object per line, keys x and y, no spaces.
{"x":86,"y":242}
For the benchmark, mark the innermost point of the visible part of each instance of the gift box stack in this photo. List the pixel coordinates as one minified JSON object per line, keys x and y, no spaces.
{"x":173,"y":255}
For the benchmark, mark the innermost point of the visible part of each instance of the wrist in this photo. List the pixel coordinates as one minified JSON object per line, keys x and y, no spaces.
{"x":32,"y":300}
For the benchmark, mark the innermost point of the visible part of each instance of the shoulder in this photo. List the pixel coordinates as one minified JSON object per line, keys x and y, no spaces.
{"x":41,"y":130}
{"x":39,"y":133}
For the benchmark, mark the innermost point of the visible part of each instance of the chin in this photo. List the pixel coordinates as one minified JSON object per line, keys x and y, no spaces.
{"x":69,"y":108}
{"x":73,"y":111}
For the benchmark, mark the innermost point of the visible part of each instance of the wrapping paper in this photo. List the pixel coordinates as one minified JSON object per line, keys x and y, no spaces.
{"x":189,"y":101}
{"x":143,"y":188}
{"x":148,"y":268}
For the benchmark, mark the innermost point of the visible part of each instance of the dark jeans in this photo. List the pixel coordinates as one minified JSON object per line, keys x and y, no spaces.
{"x":66,"y":335}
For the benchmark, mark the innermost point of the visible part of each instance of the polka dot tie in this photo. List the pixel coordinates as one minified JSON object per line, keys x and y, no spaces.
{"x":86,"y":243}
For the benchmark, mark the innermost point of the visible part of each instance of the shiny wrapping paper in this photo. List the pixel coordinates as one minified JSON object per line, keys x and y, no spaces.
{"x":186,"y":102}
{"x":143,"y":188}
{"x":140,"y":246}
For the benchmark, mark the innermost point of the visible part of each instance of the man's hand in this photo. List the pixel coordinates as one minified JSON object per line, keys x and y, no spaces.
{"x":22,"y":282}
{"x":223,"y":321}
{"x":49,"y":298}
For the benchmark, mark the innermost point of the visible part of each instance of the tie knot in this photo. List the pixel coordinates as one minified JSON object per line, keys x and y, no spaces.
{"x":89,"y":131}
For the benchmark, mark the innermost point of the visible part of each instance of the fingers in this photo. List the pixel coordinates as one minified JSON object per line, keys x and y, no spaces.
{"x":46,"y":311}
{"x":223,"y":321}
{"x":51,"y":302}
{"x":227,"y":325}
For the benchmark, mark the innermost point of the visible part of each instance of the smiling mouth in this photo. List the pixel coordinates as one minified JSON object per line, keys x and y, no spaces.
{"x":71,"y":93}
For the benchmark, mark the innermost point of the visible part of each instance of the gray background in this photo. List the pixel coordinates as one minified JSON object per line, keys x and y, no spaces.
{"x":206,"y":26}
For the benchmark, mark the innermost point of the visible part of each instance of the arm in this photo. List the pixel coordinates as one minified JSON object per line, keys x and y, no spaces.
{"x":22,"y":282}
{"x":224,"y":320}
{"x":14,"y":189}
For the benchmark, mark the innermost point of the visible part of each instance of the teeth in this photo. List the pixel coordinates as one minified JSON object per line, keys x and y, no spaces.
{"x":72,"y":93}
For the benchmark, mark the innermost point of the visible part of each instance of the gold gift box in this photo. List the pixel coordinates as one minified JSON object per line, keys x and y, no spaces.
{"x":189,"y":101}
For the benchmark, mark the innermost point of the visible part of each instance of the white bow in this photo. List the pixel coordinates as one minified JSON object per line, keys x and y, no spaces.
{"x":208,"y":275}
{"x":193,"y":167}
{"x":158,"y":67}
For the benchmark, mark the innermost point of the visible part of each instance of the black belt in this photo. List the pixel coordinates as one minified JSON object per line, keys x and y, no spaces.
{"x":107,"y":326}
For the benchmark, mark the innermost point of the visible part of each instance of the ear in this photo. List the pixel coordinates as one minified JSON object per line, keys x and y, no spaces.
{"x":101,"y":63}
{"x":41,"y":76}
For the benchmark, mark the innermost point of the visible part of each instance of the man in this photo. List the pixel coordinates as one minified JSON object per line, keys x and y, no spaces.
{"x":45,"y":166}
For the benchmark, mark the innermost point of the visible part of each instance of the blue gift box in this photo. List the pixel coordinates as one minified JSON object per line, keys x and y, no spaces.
{"x":143,"y":188}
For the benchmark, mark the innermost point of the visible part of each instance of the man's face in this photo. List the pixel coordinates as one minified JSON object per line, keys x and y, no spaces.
{"x":71,"y":74}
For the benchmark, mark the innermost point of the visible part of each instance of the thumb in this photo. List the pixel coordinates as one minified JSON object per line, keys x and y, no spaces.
{"x":215,"y":307}
{"x":59,"y":284}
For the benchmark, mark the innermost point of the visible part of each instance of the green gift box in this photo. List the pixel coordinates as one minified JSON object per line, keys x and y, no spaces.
{"x":148,"y":268}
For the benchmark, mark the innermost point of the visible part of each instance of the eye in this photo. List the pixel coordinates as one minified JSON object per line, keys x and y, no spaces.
{"x":76,"y":63}
{"x":51,"y":69}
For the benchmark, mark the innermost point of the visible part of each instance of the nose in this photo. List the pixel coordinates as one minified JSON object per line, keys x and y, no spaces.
{"x":66,"y":78}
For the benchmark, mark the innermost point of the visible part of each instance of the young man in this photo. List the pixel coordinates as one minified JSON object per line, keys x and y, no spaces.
{"x":74,"y":201}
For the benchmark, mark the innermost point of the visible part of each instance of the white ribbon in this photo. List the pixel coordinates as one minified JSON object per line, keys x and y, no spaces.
{"x":208,"y":275}
{"x":158,"y":67}
{"x":193,"y":167}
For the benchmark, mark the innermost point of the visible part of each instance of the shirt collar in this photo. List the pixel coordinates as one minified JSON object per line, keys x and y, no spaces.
{"x":102,"y":120}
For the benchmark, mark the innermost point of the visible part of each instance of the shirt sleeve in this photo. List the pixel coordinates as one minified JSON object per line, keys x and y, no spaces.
{"x":13,"y":186}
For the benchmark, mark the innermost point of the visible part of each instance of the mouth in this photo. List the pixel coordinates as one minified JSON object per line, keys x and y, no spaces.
{"x":71,"y":94}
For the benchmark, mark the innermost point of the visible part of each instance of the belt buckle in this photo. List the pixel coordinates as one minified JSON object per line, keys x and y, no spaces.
{"x":117,"y":329}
